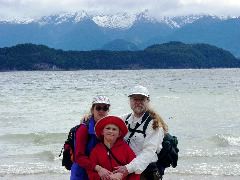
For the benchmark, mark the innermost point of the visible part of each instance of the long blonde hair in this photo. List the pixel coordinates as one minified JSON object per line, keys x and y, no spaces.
{"x":86,"y":117}
{"x":157,"y":121}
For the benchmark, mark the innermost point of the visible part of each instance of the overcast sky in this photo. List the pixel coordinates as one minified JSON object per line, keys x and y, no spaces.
{"x":156,"y":8}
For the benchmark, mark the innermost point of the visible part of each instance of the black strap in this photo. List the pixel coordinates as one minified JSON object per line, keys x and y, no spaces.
{"x":114,"y":157}
{"x":146,"y":125}
{"x":146,"y":117}
{"x":61,"y":152}
{"x":128,"y":116}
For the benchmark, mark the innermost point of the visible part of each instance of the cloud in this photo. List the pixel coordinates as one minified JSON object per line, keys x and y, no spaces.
{"x":156,"y":8}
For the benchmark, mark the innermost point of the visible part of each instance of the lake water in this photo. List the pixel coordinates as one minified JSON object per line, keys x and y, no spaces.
{"x":201,"y":107}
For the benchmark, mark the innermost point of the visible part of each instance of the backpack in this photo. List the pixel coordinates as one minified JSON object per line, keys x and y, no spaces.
{"x":68,"y":148}
{"x":168,"y":156}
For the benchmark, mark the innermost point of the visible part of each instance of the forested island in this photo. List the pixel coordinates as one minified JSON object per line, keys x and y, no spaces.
{"x":174,"y":55}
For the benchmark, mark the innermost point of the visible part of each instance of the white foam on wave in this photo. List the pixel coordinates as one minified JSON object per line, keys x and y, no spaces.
{"x":220,"y":169}
{"x":213,"y":153}
{"x":229,"y":140}
{"x":170,"y":97}
{"x":35,"y":138}
{"x":45,"y":155}
{"x":23,"y":168}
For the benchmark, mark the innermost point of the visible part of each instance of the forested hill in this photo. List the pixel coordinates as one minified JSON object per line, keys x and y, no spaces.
{"x":168,"y":55}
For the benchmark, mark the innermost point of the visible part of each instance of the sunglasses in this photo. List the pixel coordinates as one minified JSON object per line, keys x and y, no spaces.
{"x":104,"y":108}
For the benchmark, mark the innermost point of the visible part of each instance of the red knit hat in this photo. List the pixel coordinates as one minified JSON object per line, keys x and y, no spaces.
{"x":110,"y":120}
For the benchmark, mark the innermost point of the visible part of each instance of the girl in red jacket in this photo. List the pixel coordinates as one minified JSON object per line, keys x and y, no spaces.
{"x":113,"y":151}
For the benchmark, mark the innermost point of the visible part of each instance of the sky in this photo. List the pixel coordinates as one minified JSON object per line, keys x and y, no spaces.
{"x":24,"y":9}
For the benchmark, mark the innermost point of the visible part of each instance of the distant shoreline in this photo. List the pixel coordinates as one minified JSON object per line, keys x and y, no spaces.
{"x":172,"y":55}
{"x":46,"y":70}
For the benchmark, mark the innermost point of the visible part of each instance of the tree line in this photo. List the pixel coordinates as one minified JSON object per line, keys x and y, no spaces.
{"x":160,"y":56}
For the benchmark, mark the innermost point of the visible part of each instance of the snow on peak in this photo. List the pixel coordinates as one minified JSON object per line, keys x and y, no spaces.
{"x":183,"y":20}
{"x":179,"y":21}
{"x":126,"y":21}
{"x":74,"y":17}
{"x":114,"y":21}
{"x":122,"y":20}
{"x":15,"y":20}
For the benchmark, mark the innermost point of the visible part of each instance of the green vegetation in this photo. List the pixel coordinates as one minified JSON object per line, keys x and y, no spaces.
{"x":168,"y":55}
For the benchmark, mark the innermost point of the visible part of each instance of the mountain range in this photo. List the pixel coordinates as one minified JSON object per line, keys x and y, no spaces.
{"x":81,"y":31}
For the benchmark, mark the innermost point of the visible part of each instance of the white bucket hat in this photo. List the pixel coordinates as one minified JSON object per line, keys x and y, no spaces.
{"x":139,"y":90}
{"x":101,"y":100}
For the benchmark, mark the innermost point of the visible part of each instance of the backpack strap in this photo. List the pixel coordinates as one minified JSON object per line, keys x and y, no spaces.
{"x":86,"y":122}
{"x":146,"y":118}
{"x":61,"y":152}
{"x":128,"y":116}
{"x":92,"y":139}
{"x":74,"y":138}
{"x":74,"y":130}
{"x":146,"y":125}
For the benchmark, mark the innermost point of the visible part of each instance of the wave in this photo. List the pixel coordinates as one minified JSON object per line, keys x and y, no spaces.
{"x":35,"y":138}
{"x":205,"y":153}
{"x":23,"y":168}
{"x":44,"y":155}
{"x":204,"y":169}
{"x":224,"y":146}
{"x":35,"y":163}
{"x":170,"y":97}
{"x":226,"y":140}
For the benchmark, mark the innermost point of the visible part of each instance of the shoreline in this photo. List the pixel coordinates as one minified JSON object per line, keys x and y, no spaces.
{"x":127,"y":69}
{"x":67,"y":175}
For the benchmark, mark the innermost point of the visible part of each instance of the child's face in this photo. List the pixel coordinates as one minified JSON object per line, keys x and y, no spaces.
{"x":111,"y":133}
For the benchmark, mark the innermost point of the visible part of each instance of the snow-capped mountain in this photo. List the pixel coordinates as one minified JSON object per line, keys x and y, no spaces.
{"x":17,"y":21}
{"x":124,"y":20}
{"x":83,"y":31}
{"x":74,"y":17}
{"x":115,"y":21}
{"x":119,"y":20}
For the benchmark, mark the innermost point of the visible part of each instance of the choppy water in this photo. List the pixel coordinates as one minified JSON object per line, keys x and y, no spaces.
{"x":201,"y":107}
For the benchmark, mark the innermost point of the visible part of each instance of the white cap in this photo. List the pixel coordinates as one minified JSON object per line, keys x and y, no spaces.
{"x":101,"y":100}
{"x":139,"y":90}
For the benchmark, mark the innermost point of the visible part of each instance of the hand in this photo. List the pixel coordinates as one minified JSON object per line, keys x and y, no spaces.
{"x":84,"y":118}
{"x":121,"y":169}
{"x":104,"y":174}
{"x":116,"y":176}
